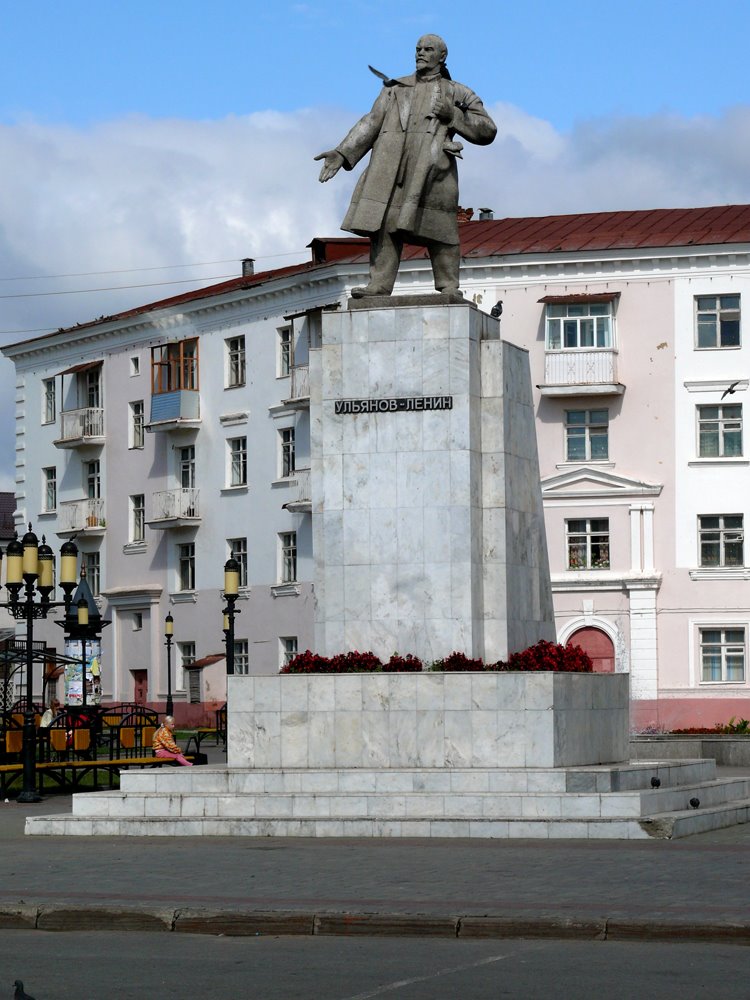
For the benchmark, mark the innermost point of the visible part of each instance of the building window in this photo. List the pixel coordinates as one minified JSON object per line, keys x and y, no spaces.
{"x":720,"y":431}
{"x":49,"y":401}
{"x":235,"y":361}
{"x":288,"y":648}
{"x":186,"y":566}
{"x":93,"y":571}
{"x":288,"y":553}
{"x":717,"y":321}
{"x":93,"y":479}
{"x":587,"y":435}
{"x":137,"y":621}
{"x":174,"y":367}
{"x":721,"y":540}
{"x":185,"y":656}
{"x":136,"y":424}
{"x":135,"y":365}
{"x":49,"y":489}
{"x":722,"y":654}
{"x":241,"y":656}
{"x":237,"y":547}
{"x":588,"y":543}
{"x":237,"y":461}
{"x":286,"y":359}
{"x":137,"y":517}
{"x":94,"y":388}
{"x":186,"y":467}
{"x":579,"y":325}
{"x":286,"y":452}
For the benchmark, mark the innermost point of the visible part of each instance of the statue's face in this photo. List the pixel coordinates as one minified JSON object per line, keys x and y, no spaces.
{"x":430,"y":54}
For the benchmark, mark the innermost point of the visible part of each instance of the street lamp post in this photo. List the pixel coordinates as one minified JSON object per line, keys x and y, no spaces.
{"x":168,"y":633}
{"x":231,"y":593}
{"x":31,"y":566}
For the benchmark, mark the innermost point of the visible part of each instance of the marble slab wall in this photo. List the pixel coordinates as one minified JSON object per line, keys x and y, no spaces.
{"x":428,"y":533}
{"x":432,"y":720}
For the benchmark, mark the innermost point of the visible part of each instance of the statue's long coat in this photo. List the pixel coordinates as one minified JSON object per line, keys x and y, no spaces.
{"x":411,"y":183}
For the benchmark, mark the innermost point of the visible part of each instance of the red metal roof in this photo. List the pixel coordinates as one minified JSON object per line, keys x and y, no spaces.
{"x":583,"y":232}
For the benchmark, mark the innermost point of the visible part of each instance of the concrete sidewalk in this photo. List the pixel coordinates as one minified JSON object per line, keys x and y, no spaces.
{"x":692,"y":889}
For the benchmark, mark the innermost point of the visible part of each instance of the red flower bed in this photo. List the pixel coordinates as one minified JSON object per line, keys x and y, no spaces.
{"x":542,"y":656}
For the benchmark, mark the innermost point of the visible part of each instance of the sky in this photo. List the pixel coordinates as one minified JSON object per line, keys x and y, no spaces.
{"x":147,"y":147}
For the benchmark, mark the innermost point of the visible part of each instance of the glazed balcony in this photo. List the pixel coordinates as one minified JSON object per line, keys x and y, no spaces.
{"x":176,"y":508}
{"x":581,"y":373}
{"x":81,"y":517}
{"x":84,"y":426}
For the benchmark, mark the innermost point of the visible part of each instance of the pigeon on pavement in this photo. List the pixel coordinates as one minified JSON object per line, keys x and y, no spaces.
{"x":21,"y":993}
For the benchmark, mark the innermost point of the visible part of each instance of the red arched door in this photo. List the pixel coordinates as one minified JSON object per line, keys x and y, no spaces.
{"x":599,"y":647}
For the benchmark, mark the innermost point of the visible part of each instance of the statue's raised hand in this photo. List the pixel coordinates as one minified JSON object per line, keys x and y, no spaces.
{"x":334,"y":161}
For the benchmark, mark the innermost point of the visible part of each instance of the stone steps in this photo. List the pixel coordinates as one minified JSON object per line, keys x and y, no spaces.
{"x":595,"y":801}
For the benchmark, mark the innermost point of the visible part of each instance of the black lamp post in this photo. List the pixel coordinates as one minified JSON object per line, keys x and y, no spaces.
{"x":168,"y":633}
{"x":231,"y":593}
{"x":31,"y":566}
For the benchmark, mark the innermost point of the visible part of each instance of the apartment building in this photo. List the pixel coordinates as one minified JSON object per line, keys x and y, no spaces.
{"x":168,"y":436}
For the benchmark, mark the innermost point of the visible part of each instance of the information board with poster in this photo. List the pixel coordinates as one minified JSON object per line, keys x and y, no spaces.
{"x":73,"y":687}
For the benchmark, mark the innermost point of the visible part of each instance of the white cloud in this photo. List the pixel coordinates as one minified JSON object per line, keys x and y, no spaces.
{"x":140,"y":192}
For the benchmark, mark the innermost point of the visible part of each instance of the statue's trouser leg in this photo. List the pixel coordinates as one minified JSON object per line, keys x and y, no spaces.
{"x":385,"y":256}
{"x":446,"y":260}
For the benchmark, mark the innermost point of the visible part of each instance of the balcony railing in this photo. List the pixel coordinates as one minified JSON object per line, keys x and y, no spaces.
{"x":300,"y":386}
{"x":78,"y":426}
{"x":81,"y":515}
{"x":175,"y":505}
{"x":302,"y":496}
{"x":581,"y":371}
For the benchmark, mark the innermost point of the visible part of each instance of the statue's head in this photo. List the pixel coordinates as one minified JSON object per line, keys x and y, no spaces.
{"x":431,"y":53}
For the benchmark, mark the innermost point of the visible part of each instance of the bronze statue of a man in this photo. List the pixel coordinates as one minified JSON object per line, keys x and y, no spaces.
{"x":409,"y":191}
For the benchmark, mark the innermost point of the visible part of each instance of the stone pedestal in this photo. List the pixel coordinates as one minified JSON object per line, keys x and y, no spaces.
{"x":428,"y":529}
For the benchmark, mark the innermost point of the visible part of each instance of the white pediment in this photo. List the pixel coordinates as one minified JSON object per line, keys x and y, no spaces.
{"x":589,"y":482}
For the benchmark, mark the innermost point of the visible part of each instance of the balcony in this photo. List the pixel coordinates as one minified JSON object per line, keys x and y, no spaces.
{"x":81,"y":517}
{"x":175,"y":509}
{"x":176,"y":410}
{"x":301,"y":502}
{"x":81,"y":427}
{"x":300,"y":385}
{"x":581,"y":373}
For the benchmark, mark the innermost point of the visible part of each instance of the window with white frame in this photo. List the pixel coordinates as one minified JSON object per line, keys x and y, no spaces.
{"x":136,"y":429}
{"x":288,"y":648}
{"x":587,"y":543}
{"x":288,"y":557}
{"x":587,"y":435}
{"x":720,"y":431}
{"x":186,"y":467}
{"x":579,"y":325}
{"x":286,"y":359}
{"x":94,"y":387}
{"x":286,"y":452}
{"x":237,"y":547}
{"x":137,"y":517}
{"x":717,"y":321}
{"x":93,"y":471}
{"x":237,"y":448}
{"x":135,"y":366}
{"x":49,"y":401}
{"x":721,"y":540}
{"x":49,"y":489}
{"x":185,"y":656}
{"x":92,"y":562}
{"x":722,"y":652}
{"x":241,"y":656}
{"x":235,"y":356}
{"x":186,"y":566}
{"x":137,"y":621}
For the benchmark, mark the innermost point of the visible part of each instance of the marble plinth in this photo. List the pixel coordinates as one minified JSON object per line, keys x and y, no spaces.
{"x":428,"y":530}
{"x":440,"y":720}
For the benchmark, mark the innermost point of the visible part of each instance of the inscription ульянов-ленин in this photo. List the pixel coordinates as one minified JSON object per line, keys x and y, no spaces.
{"x":406,"y":404}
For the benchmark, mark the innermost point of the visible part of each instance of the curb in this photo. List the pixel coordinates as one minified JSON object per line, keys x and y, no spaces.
{"x":259,"y":923}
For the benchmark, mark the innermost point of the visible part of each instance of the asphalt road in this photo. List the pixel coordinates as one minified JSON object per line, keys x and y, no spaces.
{"x":101,"y":965}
